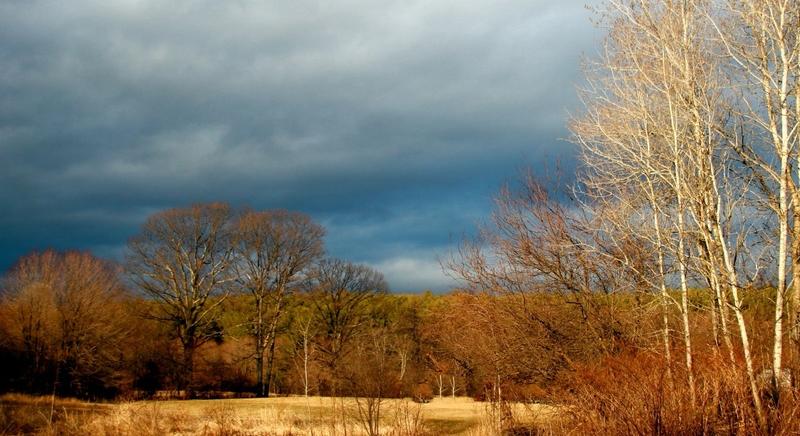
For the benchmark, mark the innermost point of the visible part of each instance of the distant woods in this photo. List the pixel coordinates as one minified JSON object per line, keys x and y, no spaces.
{"x":78,"y":325}
{"x":211,"y":301}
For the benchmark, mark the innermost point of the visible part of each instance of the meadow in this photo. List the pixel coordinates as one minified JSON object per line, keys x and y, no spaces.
{"x":293,"y":415}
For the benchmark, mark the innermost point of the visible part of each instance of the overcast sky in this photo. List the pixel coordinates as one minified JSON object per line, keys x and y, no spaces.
{"x":392,"y":123}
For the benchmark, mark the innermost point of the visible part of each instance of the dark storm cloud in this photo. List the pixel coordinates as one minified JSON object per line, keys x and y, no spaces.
{"x":390,"y":122}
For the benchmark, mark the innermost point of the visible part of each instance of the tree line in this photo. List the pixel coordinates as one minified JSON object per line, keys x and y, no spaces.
{"x":70,"y":319}
{"x":210,"y":301}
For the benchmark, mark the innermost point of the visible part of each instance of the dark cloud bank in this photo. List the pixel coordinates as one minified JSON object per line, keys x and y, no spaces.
{"x":392,"y":123}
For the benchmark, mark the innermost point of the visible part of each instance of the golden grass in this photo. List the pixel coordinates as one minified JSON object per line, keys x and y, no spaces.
{"x":288,"y":416}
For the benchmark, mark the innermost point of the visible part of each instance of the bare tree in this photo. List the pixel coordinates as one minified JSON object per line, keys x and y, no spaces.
{"x":371,"y":379}
{"x":341,"y":293}
{"x":303,"y":351}
{"x":65,"y":315}
{"x":181,"y":259}
{"x":642,"y":124}
{"x":544,"y":293}
{"x":694,"y":103}
{"x":273,"y":250}
{"x":761,"y":40}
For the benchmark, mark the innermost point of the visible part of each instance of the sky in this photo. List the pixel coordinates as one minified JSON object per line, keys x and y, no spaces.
{"x":391,"y":123}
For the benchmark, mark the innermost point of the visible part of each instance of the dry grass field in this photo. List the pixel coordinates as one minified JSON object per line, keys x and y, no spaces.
{"x":270,"y":416}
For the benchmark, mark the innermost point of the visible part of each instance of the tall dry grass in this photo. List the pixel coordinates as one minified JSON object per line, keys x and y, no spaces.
{"x":30,"y":415}
{"x":634,"y":394}
{"x":26,"y":414}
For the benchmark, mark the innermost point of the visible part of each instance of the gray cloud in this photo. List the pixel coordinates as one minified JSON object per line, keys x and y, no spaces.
{"x":391,"y":122}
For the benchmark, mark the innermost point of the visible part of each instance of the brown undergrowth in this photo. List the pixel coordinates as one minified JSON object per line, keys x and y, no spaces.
{"x":635,"y":393}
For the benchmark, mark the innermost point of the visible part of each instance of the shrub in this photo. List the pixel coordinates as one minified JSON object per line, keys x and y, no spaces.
{"x":422,"y":393}
{"x":634,"y":393}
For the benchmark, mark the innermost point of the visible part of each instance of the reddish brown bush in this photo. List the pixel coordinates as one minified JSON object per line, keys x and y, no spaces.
{"x":423,"y":393}
{"x":634,"y":393}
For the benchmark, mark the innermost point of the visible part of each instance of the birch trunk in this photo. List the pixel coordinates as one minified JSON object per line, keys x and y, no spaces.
{"x":737,"y":310}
